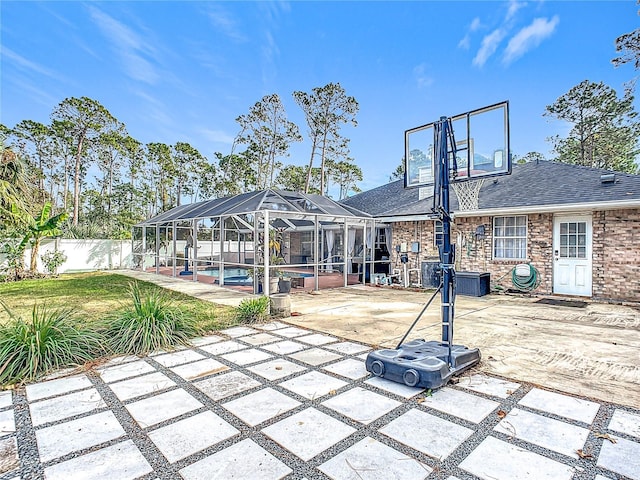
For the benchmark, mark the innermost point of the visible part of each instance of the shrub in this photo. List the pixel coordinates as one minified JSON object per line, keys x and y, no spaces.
{"x":51,"y":340}
{"x":52,"y":260}
{"x":253,"y":310}
{"x":152,"y":323}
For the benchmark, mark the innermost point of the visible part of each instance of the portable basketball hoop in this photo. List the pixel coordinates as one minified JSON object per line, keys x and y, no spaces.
{"x":468,"y":193}
{"x":434,"y":158}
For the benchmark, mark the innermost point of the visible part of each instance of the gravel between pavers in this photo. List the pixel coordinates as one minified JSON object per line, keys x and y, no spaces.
{"x":32,"y":468}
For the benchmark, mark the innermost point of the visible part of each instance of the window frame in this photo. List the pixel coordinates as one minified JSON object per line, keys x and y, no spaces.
{"x":495,"y":237}
{"x":438,"y":233}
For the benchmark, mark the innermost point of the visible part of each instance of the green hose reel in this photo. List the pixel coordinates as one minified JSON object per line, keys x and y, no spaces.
{"x":525,"y":277}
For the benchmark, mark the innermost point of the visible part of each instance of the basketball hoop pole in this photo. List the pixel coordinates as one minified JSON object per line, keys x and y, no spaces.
{"x":430,"y":159}
{"x":444,"y":141}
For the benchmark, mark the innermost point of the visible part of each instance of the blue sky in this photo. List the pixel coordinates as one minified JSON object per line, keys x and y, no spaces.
{"x":183,"y":71}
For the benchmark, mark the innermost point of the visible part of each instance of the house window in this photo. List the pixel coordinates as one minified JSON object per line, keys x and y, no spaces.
{"x":438,"y":235}
{"x":510,"y":237}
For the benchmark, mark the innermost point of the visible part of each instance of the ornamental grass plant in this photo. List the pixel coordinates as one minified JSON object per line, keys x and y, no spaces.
{"x":50,"y":340}
{"x":152,"y":322}
{"x":253,"y":310}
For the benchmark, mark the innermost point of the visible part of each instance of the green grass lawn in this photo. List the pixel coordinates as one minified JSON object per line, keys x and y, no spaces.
{"x":95,"y":294}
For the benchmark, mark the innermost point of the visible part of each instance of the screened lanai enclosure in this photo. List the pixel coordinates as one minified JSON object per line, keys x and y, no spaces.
{"x":263,"y":242}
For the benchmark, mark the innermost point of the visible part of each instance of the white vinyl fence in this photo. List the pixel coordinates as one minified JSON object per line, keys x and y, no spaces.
{"x":85,"y":255}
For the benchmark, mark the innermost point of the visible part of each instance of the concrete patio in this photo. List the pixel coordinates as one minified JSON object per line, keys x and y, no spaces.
{"x":280,"y":401}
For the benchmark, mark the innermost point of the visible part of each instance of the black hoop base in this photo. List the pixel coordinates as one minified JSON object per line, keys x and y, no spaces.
{"x":422,"y":364}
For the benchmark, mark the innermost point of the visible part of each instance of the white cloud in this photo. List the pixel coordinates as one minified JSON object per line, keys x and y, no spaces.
{"x":422,"y":78}
{"x":128,"y":45}
{"x":514,"y":6}
{"x":25,"y":64}
{"x":489,"y":46}
{"x":225,"y":23}
{"x":529,"y":37}
{"x":466,"y":40}
{"x":217,"y":136}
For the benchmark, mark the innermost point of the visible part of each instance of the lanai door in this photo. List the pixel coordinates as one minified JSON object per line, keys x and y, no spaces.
{"x":572,"y":270}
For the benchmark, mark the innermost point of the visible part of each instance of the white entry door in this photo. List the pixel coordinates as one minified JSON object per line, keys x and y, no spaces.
{"x":572,"y":271}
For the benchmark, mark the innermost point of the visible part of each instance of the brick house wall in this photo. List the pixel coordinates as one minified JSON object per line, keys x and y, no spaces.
{"x":615,"y":251}
{"x":616,"y":255}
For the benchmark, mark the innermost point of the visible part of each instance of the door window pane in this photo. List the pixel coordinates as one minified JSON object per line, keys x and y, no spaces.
{"x":574,"y":236}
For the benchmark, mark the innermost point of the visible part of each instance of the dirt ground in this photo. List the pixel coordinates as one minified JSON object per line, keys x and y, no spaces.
{"x":593,"y":350}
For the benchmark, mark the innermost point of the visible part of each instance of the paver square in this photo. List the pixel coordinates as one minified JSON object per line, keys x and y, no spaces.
{"x":276,"y":369}
{"x":183,"y":438}
{"x":59,"y":440}
{"x":223,"y":347}
{"x":285,"y":347}
{"x":291,"y":332}
{"x":562,"y":405}
{"x":370,"y":459}
{"x":125,"y":370}
{"x":461,"y":404}
{"x":209,"y":339}
{"x":259,"y":406}
{"x":59,"y":386}
{"x":546,"y":432}
{"x":489,"y":385}
{"x":622,"y":457}
{"x":245,"y":357}
{"x":313,"y":385}
{"x":308,"y":433}
{"x":239,"y":331}
{"x":7,"y":422}
{"x":348,"y":348}
{"x":494,"y":459}
{"x":361,"y":405}
{"x":200,"y":369}
{"x":350,"y":368}
{"x":65,"y":406}
{"x":315,"y":356}
{"x":393,"y":387}
{"x":6,"y":399}
{"x":272,"y":326}
{"x":9,"y":459}
{"x":122,"y":461}
{"x":119,"y":361}
{"x":225,"y":385}
{"x":426,"y":433}
{"x":244,"y":460}
{"x":136,"y":387}
{"x":259,"y":339}
{"x":625,"y":422}
{"x":178,"y":358}
{"x":157,"y":409}
{"x":317,"y":339}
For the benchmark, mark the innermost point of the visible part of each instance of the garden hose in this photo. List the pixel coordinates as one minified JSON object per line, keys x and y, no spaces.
{"x":526,"y":283}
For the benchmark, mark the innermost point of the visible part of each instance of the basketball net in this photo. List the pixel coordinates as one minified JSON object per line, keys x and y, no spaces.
{"x":468,"y":193}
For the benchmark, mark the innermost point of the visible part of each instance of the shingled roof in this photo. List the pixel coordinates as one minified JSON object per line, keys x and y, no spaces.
{"x":538,"y":185}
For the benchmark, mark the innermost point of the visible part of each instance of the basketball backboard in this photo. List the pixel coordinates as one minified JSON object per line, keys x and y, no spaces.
{"x":482,"y":147}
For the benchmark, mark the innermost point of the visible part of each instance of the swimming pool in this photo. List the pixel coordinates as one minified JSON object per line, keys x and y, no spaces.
{"x":228,"y":272}
{"x":244,"y":272}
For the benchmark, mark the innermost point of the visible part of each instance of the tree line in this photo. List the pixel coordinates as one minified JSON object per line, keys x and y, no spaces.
{"x":84,"y":162}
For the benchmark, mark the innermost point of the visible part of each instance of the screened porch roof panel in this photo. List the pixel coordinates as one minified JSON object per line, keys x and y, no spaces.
{"x":272,"y":200}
